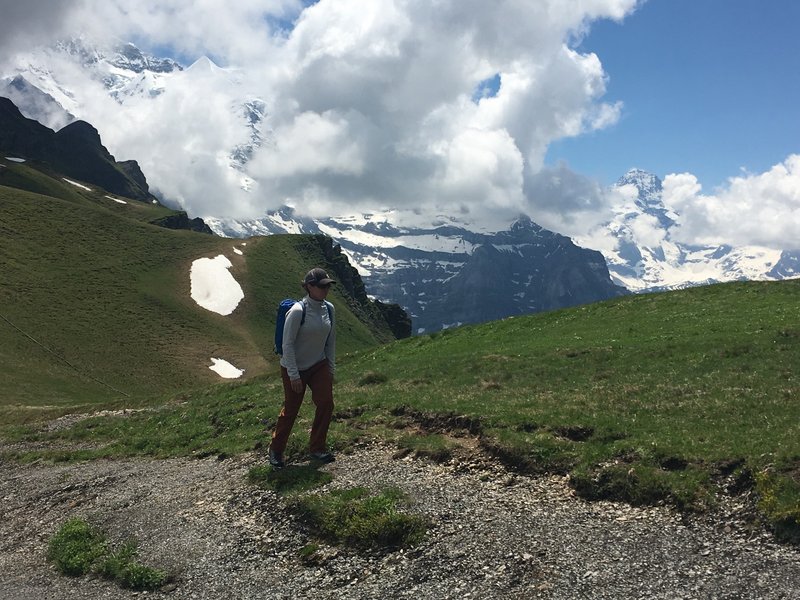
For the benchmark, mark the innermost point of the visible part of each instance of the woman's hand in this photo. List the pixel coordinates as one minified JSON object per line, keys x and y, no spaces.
{"x":297,"y":386}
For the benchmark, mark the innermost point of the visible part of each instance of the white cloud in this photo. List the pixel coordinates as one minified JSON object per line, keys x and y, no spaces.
{"x":32,"y":22}
{"x":312,"y":143}
{"x":570,"y":203}
{"x":369,"y":105}
{"x":647,"y":230}
{"x":483,"y":167}
{"x":241,"y":32}
{"x":761,"y":209}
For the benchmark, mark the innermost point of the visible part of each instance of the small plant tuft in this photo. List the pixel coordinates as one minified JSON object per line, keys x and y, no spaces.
{"x":76,"y":547}
{"x":121,"y":566}
{"x":310,"y":554}
{"x":435,"y":447}
{"x":778,"y":501}
{"x":636,"y":485}
{"x":79,"y":549}
{"x":642,"y":485}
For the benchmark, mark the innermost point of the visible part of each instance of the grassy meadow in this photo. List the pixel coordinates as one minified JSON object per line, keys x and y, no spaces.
{"x":95,"y":304}
{"x":663,"y":398}
{"x":671,"y":397}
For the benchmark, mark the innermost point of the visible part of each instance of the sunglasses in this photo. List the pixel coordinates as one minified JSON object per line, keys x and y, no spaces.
{"x":324,"y":286}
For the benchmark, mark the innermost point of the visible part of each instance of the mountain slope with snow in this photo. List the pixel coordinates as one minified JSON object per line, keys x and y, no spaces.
{"x":420,"y":267}
{"x":445,"y":274}
{"x":648,"y":258}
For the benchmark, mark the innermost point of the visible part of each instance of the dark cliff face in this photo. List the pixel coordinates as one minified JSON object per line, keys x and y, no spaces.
{"x":548,"y":273}
{"x":134,"y":172}
{"x":180,"y":220}
{"x":76,"y":151}
{"x":18,"y":134}
{"x":526,"y":269}
{"x":398,"y":319}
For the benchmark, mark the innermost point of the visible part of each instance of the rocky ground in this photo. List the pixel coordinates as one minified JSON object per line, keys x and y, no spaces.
{"x":494,"y":534}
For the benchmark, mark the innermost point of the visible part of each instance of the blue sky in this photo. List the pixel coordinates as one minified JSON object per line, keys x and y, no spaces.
{"x":708,"y":86}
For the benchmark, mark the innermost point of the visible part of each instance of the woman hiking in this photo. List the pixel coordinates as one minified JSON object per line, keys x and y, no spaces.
{"x":308,"y":360}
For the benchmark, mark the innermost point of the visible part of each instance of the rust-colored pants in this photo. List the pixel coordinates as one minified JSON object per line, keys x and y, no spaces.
{"x":320,"y":380}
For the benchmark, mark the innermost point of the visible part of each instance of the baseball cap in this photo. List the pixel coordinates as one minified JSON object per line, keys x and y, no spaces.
{"x":317,"y":277}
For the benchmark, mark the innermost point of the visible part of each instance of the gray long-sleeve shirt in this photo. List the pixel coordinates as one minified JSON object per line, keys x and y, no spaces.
{"x":306,"y":345}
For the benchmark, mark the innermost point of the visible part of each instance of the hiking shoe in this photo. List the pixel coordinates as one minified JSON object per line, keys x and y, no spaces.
{"x":323,"y":457}
{"x":276,"y":459}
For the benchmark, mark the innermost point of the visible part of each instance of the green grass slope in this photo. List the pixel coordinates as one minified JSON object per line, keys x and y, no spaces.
{"x":39,"y":178}
{"x":675,"y":397}
{"x":95,"y":304}
{"x":647,"y":398}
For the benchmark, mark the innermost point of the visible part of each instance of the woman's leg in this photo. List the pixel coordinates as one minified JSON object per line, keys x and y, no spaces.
{"x":320,"y":381}
{"x":291,"y":406}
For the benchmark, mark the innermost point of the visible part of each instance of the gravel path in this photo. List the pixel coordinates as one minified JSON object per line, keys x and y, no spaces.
{"x":495,"y":535}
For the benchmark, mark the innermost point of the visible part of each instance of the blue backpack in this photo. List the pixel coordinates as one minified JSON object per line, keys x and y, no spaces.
{"x":280,"y":320}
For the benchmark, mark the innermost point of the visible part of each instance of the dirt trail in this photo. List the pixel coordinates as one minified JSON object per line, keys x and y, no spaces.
{"x":495,"y":534}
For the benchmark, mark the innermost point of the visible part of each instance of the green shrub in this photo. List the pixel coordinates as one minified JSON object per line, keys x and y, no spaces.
{"x":78,"y":549}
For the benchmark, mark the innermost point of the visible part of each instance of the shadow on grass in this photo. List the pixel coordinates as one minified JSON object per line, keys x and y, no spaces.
{"x":289,"y":480}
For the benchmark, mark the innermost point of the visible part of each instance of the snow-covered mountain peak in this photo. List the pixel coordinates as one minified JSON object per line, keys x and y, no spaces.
{"x":649,"y":198}
{"x":524,"y":223}
{"x":640,"y":178}
{"x":127,"y":56}
{"x":649,"y":254}
{"x":204,"y":64}
{"x":86,"y":53}
{"x":648,"y":186}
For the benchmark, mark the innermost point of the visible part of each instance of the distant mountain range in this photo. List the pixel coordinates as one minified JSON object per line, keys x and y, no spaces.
{"x":643,"y":267}
{"x":447,"y":275}
{"x":444,"y":273}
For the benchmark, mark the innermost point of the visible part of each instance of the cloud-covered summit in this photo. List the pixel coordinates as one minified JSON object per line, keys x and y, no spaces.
{"x":368,"y":105}
{"x":431,"y":108}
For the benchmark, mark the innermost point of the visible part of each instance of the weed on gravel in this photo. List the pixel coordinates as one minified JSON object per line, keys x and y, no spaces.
{"x":78,"y":549}
{"x":289,"y":480}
